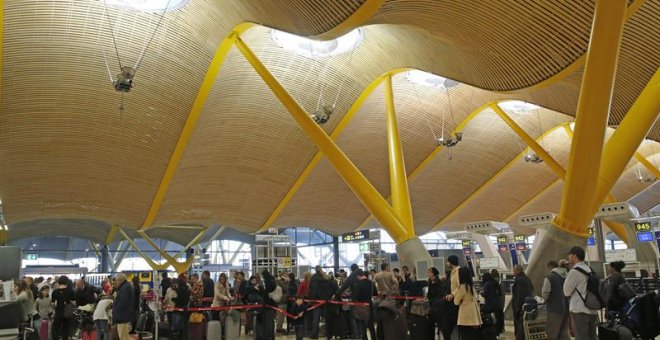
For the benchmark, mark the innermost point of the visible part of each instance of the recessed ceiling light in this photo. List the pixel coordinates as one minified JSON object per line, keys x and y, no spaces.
{"x":517,"y":106}
{"x":430,"y":79}
{"x":147,"y":5}
{"x":315,"y":48}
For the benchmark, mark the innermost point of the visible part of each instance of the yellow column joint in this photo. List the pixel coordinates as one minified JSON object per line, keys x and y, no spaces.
{"x":150,"y":262}
{"x":398,"y":179}
{"x":363,"y":189}
{"x":650,"y":167}
{"x":3,"y":236}
{"x":552,"y":163}
{"x":591,"y":118}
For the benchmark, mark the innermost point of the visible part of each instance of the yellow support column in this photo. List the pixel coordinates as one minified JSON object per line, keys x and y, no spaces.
{"x":363,"y":189}
{"x":591,"y":118}
{"x":179,"y":267}
{"x":627,"y":138}
{"x":650,"y":167}
{"x":398,"y":177}
{"x":150,"y":262}
{"x":3,"y":236}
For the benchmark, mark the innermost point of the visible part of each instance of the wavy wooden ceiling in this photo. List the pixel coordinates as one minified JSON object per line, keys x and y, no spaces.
{"x":68,"y":153}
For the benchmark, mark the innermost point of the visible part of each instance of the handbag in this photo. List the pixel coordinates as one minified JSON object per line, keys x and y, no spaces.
{"x":196,"y":318}
{"x":626,"y":292}
{"x":420,"y":307}
{"x":361,"y":313}
{"x":67,"y":313}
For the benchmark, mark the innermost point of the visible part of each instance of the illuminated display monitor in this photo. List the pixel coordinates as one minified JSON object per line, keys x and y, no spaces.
{"x":642,"y":226}
{"x":502,"y":239}
{"x":467,"y":243}
{"x":645,"y":236}
{"x":360,"y":235}
{"x":519,"y":238}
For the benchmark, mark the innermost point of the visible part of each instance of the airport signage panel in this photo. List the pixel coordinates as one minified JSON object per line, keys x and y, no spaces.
{"x":502,"y":239}
{"x":360,"y":235}
{"x":645,"y":236}
{"x":591,"y":241}
{"x":519,"y":238}
{"x":642,"y":226}
{"x":467,"y":243}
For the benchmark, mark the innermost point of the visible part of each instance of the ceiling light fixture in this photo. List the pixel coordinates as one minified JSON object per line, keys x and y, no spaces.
{"x":517,"y":106}
{"x":315,"y":48}
{"x":430,"y":79}
{"x":148,"y":5}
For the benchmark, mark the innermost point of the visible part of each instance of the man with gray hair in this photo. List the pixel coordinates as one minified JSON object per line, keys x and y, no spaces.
{"x":123,"y":308}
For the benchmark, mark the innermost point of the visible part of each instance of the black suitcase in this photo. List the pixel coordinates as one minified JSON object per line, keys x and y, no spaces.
{"x":337,"y":321}
{"x":421,"y":327}
{"x":393,"y":326}
{"x":613,"y":331}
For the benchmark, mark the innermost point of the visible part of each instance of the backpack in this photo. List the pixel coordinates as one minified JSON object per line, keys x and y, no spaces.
{"x":276,"y":294}
{"x":598,"y":290}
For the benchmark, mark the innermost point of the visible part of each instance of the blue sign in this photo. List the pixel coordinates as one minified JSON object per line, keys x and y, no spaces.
{"x":645,"y":236}
{"x":591,"y":241}
{"x":514,"y":253}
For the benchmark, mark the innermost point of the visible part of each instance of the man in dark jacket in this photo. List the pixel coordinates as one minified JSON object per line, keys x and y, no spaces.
{"x":522,"y":288}
{"x":319,"y":289}
{"x":348,"y":283}
{"x":123,"y":310}
{"x":208,"y":288}
{"x":165,"y":283}
{"x":85,"y":293}
{"x":265,"y":326}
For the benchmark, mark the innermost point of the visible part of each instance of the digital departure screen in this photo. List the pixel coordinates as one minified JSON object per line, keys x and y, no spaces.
{"x":645,"y":236}
{"x":359,"y":235}
{"x":642,"y":226}
{"x":502,"y":239}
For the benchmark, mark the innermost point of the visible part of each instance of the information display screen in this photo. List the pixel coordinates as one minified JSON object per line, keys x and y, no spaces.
{"x":591,"y":241}
{"x":642,"y":226}
{"x":502,"y":239}
{"x":519,"y":238}
{"x":360,"y":235}
{"x":645,"y":236}
{"x":467,"y":243}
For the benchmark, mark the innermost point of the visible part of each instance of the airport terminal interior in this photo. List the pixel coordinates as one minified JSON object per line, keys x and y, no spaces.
{"x":304,"y":169}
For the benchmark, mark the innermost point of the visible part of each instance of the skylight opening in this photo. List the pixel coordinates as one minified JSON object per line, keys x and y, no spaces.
{"x":315,"y":48}
{"x":430,"y":79}
{"x":518,"y":106}
{"x":147,"y":5}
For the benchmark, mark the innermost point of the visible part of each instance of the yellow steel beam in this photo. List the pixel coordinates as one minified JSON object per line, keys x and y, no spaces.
{"x":192,"y":242}
{"x":355,"y":20}
{"x":627,"y":138}
{"x":112,"y":234}
{"x":591,"y":118}
{"x":650,"y":167}
{"x":363,"y":189}
{"x":577,"y":64}
{"x":179,"y":267}
{"x":152,"y":263}
{"x":494,"y":177}
{"x":398,"y":180}
{"x":3,"y":236}
{"x":95,"y":248}
{"x":317,"y":157}
{"x":193,"y":116}
{"x":552,"y":163}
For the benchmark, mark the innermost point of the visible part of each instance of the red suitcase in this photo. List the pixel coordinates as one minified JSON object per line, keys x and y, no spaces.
{"x":43,"y":330}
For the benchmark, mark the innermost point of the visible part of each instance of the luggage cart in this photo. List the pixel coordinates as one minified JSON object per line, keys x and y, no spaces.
{"x":534,"y":318}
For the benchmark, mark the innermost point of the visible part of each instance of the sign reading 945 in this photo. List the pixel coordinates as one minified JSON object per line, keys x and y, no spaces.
{"x":643,"y":226}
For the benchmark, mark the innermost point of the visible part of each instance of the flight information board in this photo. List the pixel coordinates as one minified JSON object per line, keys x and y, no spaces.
{"x":645,"y":236}
{"x":360,"y":235}
{"x":642,"y":226}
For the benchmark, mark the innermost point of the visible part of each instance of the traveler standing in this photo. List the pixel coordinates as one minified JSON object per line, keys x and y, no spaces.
{"x":450,"y":310}
{"x":437,"y":290}
{"x":316,"y":287}
{"x":265,"y":326}
{"x":615,"y":280}
{"x":196,"y":291}
{"x":101,"y":317}
{"x":292,"y":290}
{"x":499,"y":309}
{"x":123,"y":309}
{"x":556,"y":303}
{"x":386,"y":282}
{"x":137,"y":291}
{"x":165,"y":283}
{"x":575,"y":287}
{"x":522,"y":288}
{"x":25,"y":298}
{"x":469,"y":316}
{"x":283,"y":282}
{"x":63,"y":296}
{"x":364,"y":291}
{"x":209,"y":291}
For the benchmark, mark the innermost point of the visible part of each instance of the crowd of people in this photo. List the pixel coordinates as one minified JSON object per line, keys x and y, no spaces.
{"x":347,"y":304}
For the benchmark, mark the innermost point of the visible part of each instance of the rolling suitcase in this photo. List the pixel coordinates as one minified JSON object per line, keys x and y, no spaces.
{"x":613,"y":331}
{"x":213,"y":330}
{"x":232,"y":324}
{"x":421,"y":327}
{"x":43,"y":330}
